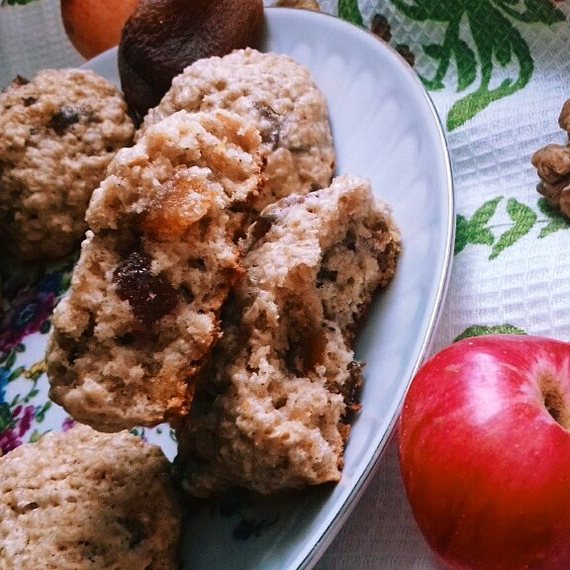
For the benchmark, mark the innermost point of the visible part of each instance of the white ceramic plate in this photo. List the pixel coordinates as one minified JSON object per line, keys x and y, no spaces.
{"x":385,"y":128}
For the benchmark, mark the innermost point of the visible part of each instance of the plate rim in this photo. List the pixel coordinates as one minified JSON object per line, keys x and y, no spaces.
{"x":341,"y":516}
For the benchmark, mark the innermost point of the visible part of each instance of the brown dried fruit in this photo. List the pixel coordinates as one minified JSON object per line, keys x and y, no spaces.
{"x":151,"y":297}
{"x":63,"y":119}
{"x":162,"y":37}
{"x":381,"y":27}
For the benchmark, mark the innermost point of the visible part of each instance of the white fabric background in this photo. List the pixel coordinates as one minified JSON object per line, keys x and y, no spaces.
{"x":528,"y":285}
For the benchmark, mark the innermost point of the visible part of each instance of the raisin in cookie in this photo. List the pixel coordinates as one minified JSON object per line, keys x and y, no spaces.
{"x":85,"y":500}
{"x":281,"y":99}
{"x":272,"y":415}
{"x":59,"y":133}
{"x":157,"y":263}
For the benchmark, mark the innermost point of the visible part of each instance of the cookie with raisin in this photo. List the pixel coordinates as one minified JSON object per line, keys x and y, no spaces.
{"x":158,"y":261}
{"x":59,"y":133}
{"x":281,"y":98}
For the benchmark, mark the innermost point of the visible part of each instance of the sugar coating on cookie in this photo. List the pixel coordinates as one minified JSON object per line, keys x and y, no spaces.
{"x":272,"y":414}
{"x":282,"y":100}
{"x":85,"y":500}
{"x":59,"y":133}
{"x":155,"y":268}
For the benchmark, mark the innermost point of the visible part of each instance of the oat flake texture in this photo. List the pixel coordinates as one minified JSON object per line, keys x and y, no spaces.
{"x":83,"y":500}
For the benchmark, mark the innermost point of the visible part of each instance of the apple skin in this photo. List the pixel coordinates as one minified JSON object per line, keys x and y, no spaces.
{"x":485,"y":456}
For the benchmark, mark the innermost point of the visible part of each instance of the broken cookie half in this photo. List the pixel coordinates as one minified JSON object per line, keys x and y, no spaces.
{"x":157,"y":263}
{"x":272,"y":411}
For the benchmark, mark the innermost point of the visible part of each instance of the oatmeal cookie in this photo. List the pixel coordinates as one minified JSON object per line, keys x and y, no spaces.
{"x":272,"y":412}
{"x":59,"y":133}
{"x":281,"y":99}
{"x":157,"y":264}
{"x":84,"y":500}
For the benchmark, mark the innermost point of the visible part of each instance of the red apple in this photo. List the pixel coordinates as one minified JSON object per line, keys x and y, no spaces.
{"x":485,"y":453}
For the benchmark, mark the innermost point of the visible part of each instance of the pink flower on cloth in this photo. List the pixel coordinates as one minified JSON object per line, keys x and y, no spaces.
{"x":26,"y":316}
{"x":21,"y":423}
{"x":68,"y":423}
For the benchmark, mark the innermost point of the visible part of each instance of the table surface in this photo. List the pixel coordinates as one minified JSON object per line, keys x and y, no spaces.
{"x":511,"y":271}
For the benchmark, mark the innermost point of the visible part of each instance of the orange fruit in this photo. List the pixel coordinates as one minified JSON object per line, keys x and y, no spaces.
{"x":94,"y":26}
{"x":162,"y":37}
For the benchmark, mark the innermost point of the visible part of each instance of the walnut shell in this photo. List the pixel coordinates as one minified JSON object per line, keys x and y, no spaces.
{"x":552,"y":164}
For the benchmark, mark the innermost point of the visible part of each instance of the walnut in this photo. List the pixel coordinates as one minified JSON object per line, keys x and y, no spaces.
{"x":553,"y":167}
{"x":304,"y":4}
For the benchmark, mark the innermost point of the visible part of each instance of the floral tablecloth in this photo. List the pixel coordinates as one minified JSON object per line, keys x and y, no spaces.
{"x":498,"y":72}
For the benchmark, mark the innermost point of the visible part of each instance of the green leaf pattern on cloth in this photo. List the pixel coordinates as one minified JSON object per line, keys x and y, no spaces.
{"x":524,"y":219}
{"x":475,"y":230}
{"x":478,"y":230}
{"x":556,"y":221}
{"x":494,"y":38}
{"x":480,"y":330}
{"x":15,"y":2}
{"x":348,"y":9}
